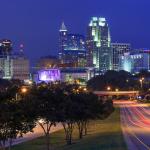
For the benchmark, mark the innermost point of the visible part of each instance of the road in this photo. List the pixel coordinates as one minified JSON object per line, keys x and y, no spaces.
{"x":135,"y":121}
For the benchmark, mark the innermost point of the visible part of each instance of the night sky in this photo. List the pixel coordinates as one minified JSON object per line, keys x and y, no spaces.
{"x":35,"y":23}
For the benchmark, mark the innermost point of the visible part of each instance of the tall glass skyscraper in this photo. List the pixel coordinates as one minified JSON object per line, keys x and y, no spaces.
{"x":99,"y":44}
{"x":72,"y":49}
{"x":62,"y":41}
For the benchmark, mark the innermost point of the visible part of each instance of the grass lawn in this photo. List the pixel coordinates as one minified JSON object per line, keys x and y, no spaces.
{"x":102,"y":135}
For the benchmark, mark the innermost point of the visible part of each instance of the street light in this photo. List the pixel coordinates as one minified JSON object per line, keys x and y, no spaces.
{"x":141,"y":81}
{"x":108,"y":88}
{"x":85,"y":89}
{"x":24,"y":90}
{"x":117,"y":90}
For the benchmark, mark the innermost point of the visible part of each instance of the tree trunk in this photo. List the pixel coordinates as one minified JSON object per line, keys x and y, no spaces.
{"x":80,"y":128}
{"x":68,"y":128}
{"x":48,"y":141}
{"x":10,"y":144}
{"x":85,"y":127}
{"x":46,"y":126}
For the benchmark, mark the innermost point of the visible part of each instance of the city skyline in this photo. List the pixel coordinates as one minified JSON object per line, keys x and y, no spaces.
{"x":75,"y":74}
{"x":36,"y":24}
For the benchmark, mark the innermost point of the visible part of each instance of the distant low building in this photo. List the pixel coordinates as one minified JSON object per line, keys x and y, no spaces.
{"x":47,"y":62}
{"x":69,"y":75}
{"x":76,"y":75}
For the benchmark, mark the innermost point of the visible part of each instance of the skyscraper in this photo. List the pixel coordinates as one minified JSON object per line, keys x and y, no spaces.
{"x":6,"y":67}
{"x":99,"y":44}
{"x":118,"y":50}
{"x":5,"y":58}
{"x":62,"y":41}
{"x":72,"y":48}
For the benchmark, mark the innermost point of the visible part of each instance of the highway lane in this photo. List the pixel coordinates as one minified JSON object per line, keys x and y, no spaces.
{"x":135,"y":120}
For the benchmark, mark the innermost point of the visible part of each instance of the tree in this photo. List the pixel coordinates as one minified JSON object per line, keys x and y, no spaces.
{"x":110,"y":78}
{"x":13,"y":122}
{"x":79,"y":107}
{"x":67,"y":117}
{"x":92,"y":108}
{"x":44,"y":102}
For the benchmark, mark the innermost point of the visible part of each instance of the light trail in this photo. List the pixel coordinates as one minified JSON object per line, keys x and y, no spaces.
{"x":135,"y":120}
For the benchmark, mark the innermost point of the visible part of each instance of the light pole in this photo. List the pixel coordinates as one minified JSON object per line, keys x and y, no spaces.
{"x":23,"y":91}
{"x":117,"y":90}
{"x":141,"y":82}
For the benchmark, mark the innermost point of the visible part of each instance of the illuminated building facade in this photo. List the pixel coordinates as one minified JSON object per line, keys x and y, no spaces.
{"x":49,"y":75}
{"x":118,"y":50}
{"x":72,"y":49}
{"x":136,"y":61}
{"x":6,"y":67}
{"x":69,"y":75}
{"x":99,"y":44}
{"x":76,"y":75}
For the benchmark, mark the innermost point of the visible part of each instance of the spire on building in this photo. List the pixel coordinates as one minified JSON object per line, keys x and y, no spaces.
{"x":63,"y":27}
{"x":21,"y":51}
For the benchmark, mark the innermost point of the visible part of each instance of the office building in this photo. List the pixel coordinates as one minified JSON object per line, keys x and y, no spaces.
{"x":99,"y":44}
{"x":13,"y":65}
{"x":135,"y":61}
{"x":118,"y":50}
{"x":20,"y":68}
{"x":5,"y":47}
{"x":72,"y":49}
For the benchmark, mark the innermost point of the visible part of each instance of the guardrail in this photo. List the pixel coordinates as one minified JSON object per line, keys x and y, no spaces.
{"x":111,"y":93}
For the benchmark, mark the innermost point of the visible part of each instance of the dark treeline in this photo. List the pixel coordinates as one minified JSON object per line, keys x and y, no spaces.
{"x":47,"y":105}
{"x":121,"y":80}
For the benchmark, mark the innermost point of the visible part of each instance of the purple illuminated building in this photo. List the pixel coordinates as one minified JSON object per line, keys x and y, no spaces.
{"x":49,"y":75}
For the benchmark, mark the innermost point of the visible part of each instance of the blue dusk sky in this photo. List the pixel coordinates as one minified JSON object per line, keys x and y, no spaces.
{"x":35,"y":23}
